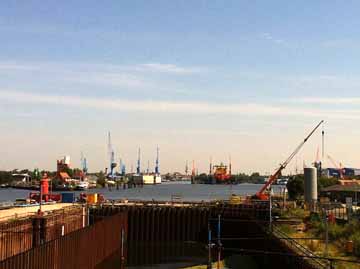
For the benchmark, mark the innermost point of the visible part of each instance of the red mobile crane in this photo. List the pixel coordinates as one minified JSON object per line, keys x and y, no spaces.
{"x":261,"y":195}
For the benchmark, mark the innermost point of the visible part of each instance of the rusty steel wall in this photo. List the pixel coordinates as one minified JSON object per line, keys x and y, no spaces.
{"x":83,"y":248}
{"x":63,"y":222}
{"x":177,"y":223}
{"x":20,"y":235}
{"x":15,"y":237}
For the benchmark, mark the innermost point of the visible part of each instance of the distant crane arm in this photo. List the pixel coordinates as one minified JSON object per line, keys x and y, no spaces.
{"x":260,"y":194}
{"x":338,"y":167}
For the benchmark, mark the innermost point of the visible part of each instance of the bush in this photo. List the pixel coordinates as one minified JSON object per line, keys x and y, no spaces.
{"x":287,"y":229}
{"x":336,"y":231}
{"x":352,"y":228}
{"x":356,"y":241}
{"x":295,"y":213}
{"x":318,"y":228}
{"x":101,"y":180}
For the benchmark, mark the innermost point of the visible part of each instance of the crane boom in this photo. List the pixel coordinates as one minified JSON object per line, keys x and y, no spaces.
{"x":260,"y":194}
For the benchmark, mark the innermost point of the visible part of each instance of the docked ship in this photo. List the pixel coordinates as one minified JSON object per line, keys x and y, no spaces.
{"x":221,"y":173}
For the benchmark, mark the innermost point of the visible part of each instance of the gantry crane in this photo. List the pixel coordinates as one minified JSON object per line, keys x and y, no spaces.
{"x":261,"y":195}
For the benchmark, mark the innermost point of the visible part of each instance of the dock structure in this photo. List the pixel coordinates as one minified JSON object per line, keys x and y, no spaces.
{"x":138,"y":233}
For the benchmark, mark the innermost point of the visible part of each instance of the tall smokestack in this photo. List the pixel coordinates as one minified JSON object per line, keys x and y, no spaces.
{"x":210,"y":168}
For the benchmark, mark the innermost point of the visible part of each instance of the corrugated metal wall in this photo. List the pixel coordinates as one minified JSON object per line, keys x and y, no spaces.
{"x":83,"y":248}
{"x":15,"y":237}
{"x":20,"y":235}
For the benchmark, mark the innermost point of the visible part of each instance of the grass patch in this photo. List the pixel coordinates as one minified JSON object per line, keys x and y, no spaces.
{"x":295,"y":213}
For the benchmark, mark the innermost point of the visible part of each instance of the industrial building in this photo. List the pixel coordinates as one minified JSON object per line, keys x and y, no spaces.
{"x":63,"y":166}
{"x":335,"y":172}
{"x":147,"y":179}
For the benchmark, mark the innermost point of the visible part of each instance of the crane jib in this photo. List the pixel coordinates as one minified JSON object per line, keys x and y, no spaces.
{"x":292,"y":155}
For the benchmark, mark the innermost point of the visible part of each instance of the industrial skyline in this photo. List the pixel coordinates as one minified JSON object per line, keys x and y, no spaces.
{"x":196,"y":79}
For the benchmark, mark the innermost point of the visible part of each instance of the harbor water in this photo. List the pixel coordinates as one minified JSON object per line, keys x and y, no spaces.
{"x":162,"y":192}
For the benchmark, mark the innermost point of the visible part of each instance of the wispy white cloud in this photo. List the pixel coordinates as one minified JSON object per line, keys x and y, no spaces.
{"x":168,"y":68}
{"x":333,"y":100}
{"x":251,"y":109}
{"x":271,"y":38}
{"x":19,"y":67}
{"x":109,"y":79}
{"x":128,"y":76}
{"x":98,"y":67}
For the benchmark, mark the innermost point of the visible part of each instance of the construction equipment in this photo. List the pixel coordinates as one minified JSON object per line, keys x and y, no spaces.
{"x":339,"y":167}
{"x":261,"y":195}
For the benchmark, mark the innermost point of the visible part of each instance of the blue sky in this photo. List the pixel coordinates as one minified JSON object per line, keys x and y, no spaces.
{"x":198,"y":78}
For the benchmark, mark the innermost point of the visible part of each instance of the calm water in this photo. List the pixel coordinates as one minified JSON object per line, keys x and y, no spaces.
{"x":161,"y":192}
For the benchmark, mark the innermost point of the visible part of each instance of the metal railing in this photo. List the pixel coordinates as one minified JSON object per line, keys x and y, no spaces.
{"x":299,"y":249}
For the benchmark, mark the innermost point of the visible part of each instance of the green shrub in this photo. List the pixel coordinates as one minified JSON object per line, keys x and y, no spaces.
{"x":287,"y":229}
{"x":352,"y":228}
{"x":314,"y":217}
{"x":318,"y":228}
{"x":336,"y":231}
{"x":356,"y":241}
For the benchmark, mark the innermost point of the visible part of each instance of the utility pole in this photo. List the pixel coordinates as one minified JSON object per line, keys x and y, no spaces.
{"x":209,"y":266}
{"x":326,"y":222}
{"x":323,"y":142}
{"x":219,"y":241}
{"x":270,"y":209}
{"x":122,"y":249}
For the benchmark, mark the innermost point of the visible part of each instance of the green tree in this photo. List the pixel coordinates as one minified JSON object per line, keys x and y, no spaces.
{"x":324,"y":182}
{"x":101,"y":180}
{"x":5,"y":177}
{"x":69,"y":171}
{"x":295,"y":186}
{"x":256,"y":178}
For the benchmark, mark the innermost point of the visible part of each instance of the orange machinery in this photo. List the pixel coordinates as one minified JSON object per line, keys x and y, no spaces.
{"x":261,"y":195}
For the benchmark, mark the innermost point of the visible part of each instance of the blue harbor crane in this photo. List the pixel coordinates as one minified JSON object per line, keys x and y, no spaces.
{"x":111,"y":157}
{"x":83,"y":163}
{"x":157,"y":169}
{"x":138,"y":168}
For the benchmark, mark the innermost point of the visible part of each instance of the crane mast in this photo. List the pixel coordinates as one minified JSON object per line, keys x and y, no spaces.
{"x":260,"y":194}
